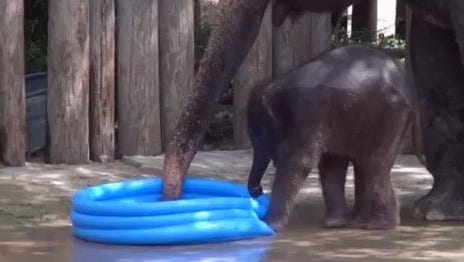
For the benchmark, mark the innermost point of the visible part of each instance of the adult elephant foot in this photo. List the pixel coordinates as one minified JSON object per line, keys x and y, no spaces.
{"x":441,"y":110}
{"x":336,"y":222}
{"x":444,"y":202}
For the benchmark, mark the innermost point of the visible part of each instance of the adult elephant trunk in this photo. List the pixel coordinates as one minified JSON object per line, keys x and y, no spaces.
{"x":234,"y":31}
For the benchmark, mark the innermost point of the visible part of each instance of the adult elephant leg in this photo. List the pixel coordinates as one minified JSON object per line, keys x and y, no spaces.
{"x":234,"y":30}
{"x":439,"y":78}
{"x":457,"y":19}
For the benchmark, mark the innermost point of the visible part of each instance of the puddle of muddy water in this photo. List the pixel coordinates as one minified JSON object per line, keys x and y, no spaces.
{"x":305,"y":240}
{"x":239,"y":251}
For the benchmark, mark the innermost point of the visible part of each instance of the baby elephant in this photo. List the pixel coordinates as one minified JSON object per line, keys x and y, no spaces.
{"x":349,"y":104}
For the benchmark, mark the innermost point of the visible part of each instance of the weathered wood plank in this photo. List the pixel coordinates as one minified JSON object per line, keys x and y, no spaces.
{"x":256,"y":67}
{"x":102,"y":79}
{"x":12,"y":83}
{"x":177,"y":61}
{"x":139,"y":131}
{"x":297,"y":41}
{"x":365,"y":20}
{"x":291,"y":44}
{"x":68,"y":81}
{"x":320,"y":30}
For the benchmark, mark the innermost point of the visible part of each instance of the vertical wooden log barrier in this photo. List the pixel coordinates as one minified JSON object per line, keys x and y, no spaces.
{"x":139,"y":130}
{"x":12,"y":90}
{"x":320,"y":33}
{"x":409,"y":145}
{"x":177,"y":61}
{"x":291,"y":44}
{"x":256,"y":67}
{"x":365,"y":20}
{"x":102,"y":79}
{"x":295,"y":42}
{"x":401,"y":18}
{"x":68,"y":81}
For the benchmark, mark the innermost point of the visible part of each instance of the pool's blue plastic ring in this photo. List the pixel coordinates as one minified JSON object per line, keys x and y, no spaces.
{"x":128,"y":213}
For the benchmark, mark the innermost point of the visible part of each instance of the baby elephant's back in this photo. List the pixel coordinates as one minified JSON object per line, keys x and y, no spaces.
{"x":356,"y":94}
{"x":356,"y":70}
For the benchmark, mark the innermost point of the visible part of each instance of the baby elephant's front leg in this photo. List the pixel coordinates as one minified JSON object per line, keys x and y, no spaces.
{"x":290,"y":175}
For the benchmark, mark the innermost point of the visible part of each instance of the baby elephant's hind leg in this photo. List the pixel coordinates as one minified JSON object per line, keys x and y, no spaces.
{"x":375,"y":206}
{"x":332,"y":172}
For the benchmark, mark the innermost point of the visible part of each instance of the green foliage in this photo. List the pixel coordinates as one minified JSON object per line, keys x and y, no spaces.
{"x":36,"y":56}
{"x":36,"y":18}
{"x":340,"y":37}
{"x":390,"y":42}
{"x":220,"y":131}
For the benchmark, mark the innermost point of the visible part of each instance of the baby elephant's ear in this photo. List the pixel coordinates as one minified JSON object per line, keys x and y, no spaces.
{"x":280,"y":11}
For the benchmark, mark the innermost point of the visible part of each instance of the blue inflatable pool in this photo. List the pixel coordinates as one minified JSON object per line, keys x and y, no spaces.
{"x":129,"y":213}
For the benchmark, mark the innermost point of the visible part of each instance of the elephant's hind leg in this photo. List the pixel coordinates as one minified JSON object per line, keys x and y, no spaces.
{"x":376,"y":206}
{"x":332,"y":172}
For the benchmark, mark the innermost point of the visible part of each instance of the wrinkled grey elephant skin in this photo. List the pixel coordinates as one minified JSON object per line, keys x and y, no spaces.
{"x":349,"y":104}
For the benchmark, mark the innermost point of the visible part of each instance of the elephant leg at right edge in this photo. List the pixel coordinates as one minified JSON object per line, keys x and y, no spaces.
{"x":439,"y":80}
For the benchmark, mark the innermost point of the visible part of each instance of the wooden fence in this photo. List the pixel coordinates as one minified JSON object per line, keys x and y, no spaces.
{"x":135,"y":57}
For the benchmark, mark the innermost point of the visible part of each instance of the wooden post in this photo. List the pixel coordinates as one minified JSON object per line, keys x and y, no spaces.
{"x":296,"y":42}
{"x":102,"y":79}
{"x":68,"y":81}
{"x":320,"y":33}
{"x":12,"y":90}
{"x":256,"y":67}
{"x":409,"y":145}
{"x":177,"y":61}
{"x":400,"y":28}
{"x":139,"y":130}
{"x":365,"y":20}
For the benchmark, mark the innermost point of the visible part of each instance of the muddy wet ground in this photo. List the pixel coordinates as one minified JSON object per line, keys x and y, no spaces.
{"x":35,"y":203}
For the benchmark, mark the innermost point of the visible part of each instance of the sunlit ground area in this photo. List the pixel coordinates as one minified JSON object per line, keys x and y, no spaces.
{"x":35,"y":203}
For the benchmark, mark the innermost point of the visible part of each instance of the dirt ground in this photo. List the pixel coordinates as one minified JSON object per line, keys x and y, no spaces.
{"x":35,"y":202}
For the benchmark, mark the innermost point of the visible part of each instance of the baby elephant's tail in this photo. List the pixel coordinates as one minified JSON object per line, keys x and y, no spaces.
{"x":262,"y":124}
{"x":260,"y":106}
